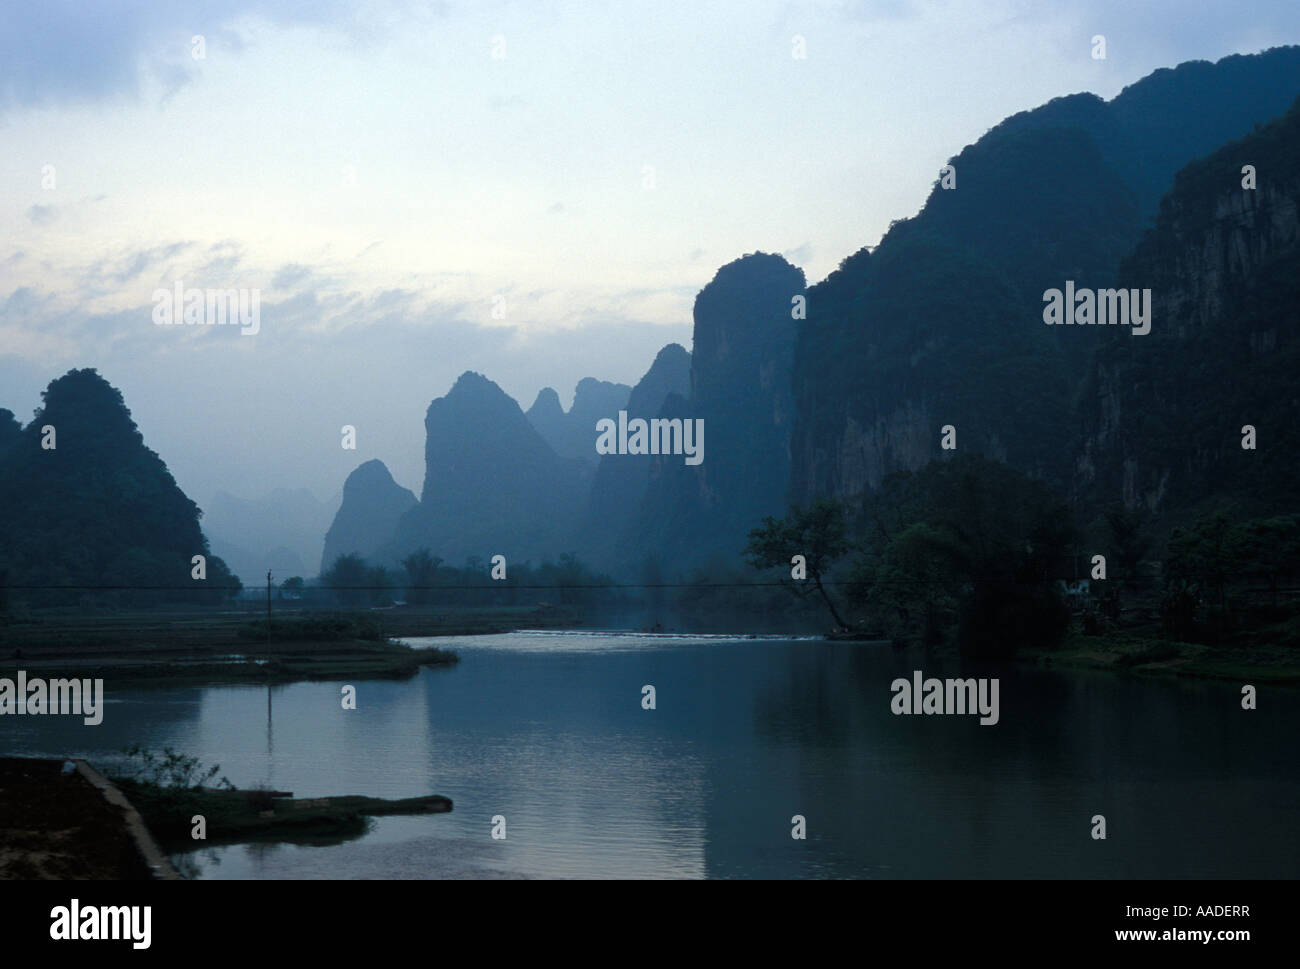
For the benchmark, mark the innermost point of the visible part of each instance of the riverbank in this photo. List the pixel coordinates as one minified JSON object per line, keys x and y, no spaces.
{"x":62,"y":820}
{"x":196,"y":647}
{"x":1147,"y":656}
{"x":1261,"y":660}
{"x":239,"y":816}
{"x":269,"y":663}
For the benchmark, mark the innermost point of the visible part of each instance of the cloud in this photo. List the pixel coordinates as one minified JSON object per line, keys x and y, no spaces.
{"x":799,"y":254}
{"x":42,"y":214}
{"x":871,"y":10}
{"x":171,"y":75}
{"x":329,"y":351}
{"x":290,"y":275}
{"x":225,"y":259}
{"x":23,"y":302}
{"x":71,"y":51}
{"x":135,"y":263}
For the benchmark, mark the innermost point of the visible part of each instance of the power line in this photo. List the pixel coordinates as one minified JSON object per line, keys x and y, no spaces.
{"x":504,"y":585}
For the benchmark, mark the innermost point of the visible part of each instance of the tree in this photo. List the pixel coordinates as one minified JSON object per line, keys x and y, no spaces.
{"x":1206,"y":554}
{"x":421,"y":573}
{"x":1271,"y":549}
{"x":1213,"y":559}
{"x":1129,"y":541}
{"x":347,"y":577}
{"x":1127,"y":528}
{"x":382,"y":582}
{"x":913,"y":584}
{"x":817,"y":532}
{"x":652,"y":579}
{"x":971,"y":538}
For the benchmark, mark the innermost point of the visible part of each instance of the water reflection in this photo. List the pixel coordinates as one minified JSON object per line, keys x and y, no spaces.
{"x":549,"y":732}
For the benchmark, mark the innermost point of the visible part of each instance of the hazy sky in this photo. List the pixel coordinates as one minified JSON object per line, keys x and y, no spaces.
{"x":381,"y":171}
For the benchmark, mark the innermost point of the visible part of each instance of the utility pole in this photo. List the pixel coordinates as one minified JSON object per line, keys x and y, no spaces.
{"x":268,"y":643}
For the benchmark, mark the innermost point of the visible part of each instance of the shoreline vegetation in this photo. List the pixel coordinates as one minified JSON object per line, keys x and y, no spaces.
{"x":238,"y":816}
{"x":973,"y":559}
{"x":200,"y":647}
{"x":187,"y":806}
{"x":1151,"y":656}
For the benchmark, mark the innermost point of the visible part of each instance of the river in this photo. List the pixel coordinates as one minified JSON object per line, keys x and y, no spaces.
{"x":548,"y":731}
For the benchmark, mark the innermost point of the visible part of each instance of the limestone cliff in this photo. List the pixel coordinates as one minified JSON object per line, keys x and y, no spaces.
{"x":373,"y":503}
{"x":1162,"y":415}
{"x":940,"y":324}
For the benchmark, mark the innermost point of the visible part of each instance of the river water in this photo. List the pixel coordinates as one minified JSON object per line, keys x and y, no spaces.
{"x":548,"y":731}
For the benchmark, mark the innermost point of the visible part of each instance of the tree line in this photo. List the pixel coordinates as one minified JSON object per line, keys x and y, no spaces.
{"x":972,"y":553}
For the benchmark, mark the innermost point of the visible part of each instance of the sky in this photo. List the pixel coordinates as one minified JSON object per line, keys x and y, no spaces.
{"x":535,"y":191}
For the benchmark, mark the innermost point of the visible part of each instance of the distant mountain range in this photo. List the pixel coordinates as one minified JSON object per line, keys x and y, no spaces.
{"x":941,"y":324}
{"x":571,"y":434}
{"x":282,"y":531}
{"x":1186,"y":184}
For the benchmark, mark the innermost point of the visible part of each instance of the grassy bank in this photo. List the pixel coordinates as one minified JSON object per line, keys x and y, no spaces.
{"x":157,"y":663}
{"x":197,"y":646}
{"x":1149,"y":656}
{"x":237,"y":816}
{"x":273,"y":665}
